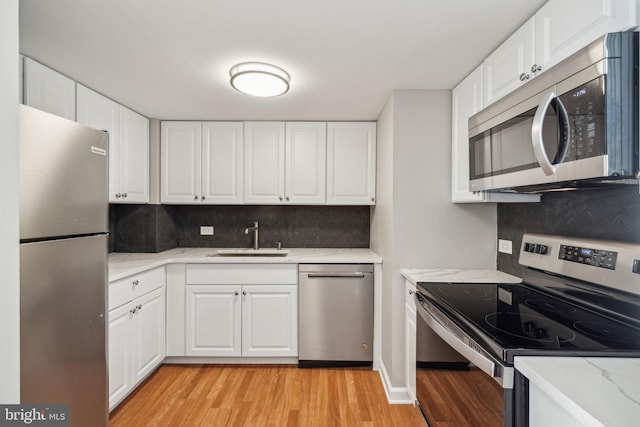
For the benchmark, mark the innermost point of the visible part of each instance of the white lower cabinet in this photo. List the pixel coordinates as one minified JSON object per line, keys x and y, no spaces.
{"x":241,"y":311}
{"x":247,"y":321}
{"x":410,"y":340}
{"x":136,"y":334}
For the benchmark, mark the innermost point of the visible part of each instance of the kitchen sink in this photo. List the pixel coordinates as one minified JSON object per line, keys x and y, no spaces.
{"x":251,"y":252}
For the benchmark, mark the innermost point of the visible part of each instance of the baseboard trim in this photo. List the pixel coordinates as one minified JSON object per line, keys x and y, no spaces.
{"x":395,"y":395}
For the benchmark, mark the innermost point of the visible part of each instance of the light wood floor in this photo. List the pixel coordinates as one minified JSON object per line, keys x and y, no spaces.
{"x":262,"y":395}
{"x":460,"y":398}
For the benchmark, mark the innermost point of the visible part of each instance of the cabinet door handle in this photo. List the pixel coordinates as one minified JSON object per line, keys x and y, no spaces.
{"x":237,"y":293}
{"x":124,"y":195}
{"x":287,"y":198}
{"x":135,"y":282}
{"x":535,"y":68}
{"x":411,"y":292}
{"x":280,"y":198}
{"x":244,"y":292}
{"x":524,"y":77}
{"x":118,"y":195}
{"x":195,"y":197}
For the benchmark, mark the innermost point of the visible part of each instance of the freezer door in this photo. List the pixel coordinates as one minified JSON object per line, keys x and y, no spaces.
{"x":63,"y":360}
{"x":63,"y":177}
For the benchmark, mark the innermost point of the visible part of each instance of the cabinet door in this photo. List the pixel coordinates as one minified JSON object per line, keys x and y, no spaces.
{"x":148,"y":343}
{"x":180,"y":162}
{"x":466,"y":101}
{"x":270,"y":320}
{"x":119,"y":354}
{"x":99,"y":112}
{"x":565,"y":26}
{"x":351,"y":163}
{"x":133,"y":159}
{"x":509,"y":66}
{"x":222,"y":163}
{"x":213,"y":320}
{"x":48,"y":90}
{"x":305,"y":165}
{"x":264,"y":162}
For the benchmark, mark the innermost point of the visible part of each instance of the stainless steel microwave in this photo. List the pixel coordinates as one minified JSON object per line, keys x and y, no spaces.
{"x":572,"y":126}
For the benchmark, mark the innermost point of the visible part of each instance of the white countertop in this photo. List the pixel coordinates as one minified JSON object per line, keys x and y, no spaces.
{"x":124,"y":264}
{"x":454,"y":275}
{"x":597,"y":391}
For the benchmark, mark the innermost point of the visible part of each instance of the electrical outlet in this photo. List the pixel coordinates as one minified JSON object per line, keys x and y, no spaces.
{"x":206,"y":230}
{"x":504,"y":246}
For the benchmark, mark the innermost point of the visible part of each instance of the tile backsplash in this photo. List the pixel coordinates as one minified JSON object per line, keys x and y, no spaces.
{"x":609,"y":213}
{"x":155,"y":228}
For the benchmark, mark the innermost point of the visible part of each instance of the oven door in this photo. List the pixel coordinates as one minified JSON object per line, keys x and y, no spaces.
{"x":482,"y":395}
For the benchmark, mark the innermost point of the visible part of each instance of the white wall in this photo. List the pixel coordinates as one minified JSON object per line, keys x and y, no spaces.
{"x":9,"y":243}
{"x":414,"y":223}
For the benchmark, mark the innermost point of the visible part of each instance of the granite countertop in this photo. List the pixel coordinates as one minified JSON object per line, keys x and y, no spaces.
{"x":596,"y":391}
{"x":454,"y":275}
{"x":124,"y":264}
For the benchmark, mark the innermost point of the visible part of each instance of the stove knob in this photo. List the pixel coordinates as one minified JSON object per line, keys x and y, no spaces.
{"x":540,"y":333}
{"x":529,"y":327}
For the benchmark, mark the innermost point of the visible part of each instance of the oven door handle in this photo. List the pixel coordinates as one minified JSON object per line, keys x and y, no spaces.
{"x":481,"y":361}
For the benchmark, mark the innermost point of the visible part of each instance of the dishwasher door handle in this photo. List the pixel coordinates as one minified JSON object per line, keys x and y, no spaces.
{"x":356,"y":275}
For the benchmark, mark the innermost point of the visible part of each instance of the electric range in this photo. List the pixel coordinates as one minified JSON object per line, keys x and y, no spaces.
{"x":578,"y":297}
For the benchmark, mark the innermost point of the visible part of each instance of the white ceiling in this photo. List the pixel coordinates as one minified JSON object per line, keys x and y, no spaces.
{"x":170,"y":59}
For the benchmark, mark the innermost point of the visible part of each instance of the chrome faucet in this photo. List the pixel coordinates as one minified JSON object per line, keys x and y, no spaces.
{"x":255,"y":234}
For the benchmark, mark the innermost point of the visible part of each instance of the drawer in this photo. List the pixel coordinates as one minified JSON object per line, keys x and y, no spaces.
{"x":242,"y":274}
{"x":410,"y":299}
{"x":127,"y":289}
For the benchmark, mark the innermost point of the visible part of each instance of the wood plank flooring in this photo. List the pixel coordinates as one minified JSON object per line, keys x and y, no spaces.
{"x":262,"y":395}
{"x":460,"y":398}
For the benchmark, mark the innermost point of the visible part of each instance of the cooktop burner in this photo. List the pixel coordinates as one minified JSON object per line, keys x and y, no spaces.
{"x":530,"y":327}
{"x":608,"y":332}
{"x":468,"y":293}
{"x":552,"y":306}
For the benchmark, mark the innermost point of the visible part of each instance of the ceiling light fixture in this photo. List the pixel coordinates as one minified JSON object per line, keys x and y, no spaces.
{"x":259,"y":79}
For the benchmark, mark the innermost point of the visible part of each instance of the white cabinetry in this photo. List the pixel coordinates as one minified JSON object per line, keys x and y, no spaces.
{"x":49,"y":90}
{"x":248,"y":311}
{"x":410,"y":340}
{"x":285,"y":162}
{"x":136,"y":331}
{"x":509,"y":66}
{"x":557,"y":30}
{"x":351,"y":163}
{"x":305,"y":163}
{"x":467,"y":101}
{"x":201,"y":162}
{"x":264,"y":162}
{"x":128,"y":144}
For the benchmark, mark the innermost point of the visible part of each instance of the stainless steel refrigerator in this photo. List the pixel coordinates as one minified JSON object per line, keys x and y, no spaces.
{"x":63,"y":266}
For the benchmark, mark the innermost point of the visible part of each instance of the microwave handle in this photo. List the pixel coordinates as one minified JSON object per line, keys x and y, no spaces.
{"x":536,"y":135}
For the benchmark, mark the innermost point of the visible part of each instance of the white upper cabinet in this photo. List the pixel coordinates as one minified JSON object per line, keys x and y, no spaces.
{"x":564,"y":26}
{"x":222,"y":145}
{"x":351,"y":163}
{"x":466,"y":101}
{"x":180,"y":156}
{"x":133,"y":157}
{"x":201,"y":162}
{"x":305,"y":165}
{"x":49,"y":90}
{"x":559,"y":29}
{"x":509,"y":66}
{"x":264,"y":162}
{"x":128,"y":144}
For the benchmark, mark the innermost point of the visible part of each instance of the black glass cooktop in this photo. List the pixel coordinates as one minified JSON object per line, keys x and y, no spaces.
{"x":521,"y":317}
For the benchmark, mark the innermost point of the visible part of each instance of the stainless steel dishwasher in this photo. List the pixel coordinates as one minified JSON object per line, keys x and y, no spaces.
{"x":335,"y":315}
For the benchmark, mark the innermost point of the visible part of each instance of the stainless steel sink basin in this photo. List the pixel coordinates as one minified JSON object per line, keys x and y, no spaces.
{"x":252,"y":252}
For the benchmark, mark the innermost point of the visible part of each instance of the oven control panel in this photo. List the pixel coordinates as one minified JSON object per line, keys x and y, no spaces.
{"x":594,"y":257}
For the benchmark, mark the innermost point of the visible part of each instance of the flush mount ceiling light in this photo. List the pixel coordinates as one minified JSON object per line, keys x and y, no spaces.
{"x":259,"y":79}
